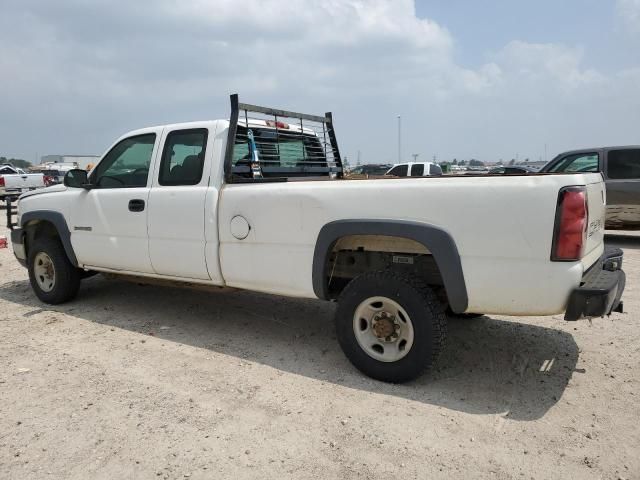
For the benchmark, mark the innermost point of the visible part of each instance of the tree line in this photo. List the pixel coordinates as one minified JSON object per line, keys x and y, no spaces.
{"x":16,"y":162}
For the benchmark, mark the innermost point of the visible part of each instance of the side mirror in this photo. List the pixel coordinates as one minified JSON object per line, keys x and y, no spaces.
{"x":77,"y":178}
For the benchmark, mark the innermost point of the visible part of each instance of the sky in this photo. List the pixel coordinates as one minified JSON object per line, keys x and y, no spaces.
{"x":490,"y":80}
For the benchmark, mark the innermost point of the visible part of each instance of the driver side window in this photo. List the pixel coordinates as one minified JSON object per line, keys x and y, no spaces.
{"x":127,"y":164}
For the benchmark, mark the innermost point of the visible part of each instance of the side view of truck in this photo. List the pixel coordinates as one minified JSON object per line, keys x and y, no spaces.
{"x":14,"y":181}
{"x":258,"y":202}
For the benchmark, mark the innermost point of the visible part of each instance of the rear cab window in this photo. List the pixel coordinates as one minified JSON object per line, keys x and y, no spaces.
{"x":623,"y":164}
{"x":183,"y":157}
{"x":435,"y":169}
{"x":282,"y":153}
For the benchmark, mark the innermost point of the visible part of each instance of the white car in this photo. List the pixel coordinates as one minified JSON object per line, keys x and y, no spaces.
{"x":415,"y":169}
{"x":262,"y":205}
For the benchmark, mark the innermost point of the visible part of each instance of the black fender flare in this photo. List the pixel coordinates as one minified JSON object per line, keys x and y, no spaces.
{"x":438,"y":241}
{"x":58,"y":221}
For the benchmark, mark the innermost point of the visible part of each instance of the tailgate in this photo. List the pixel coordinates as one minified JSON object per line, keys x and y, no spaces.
{"x":596,"y":200}
{"x":25,"y":181}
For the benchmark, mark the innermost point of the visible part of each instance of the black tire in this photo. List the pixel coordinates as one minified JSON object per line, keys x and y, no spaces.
{"x":67,"y":277}
{"x":419,"y":302}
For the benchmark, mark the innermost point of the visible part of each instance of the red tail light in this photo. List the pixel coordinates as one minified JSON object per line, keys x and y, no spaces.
{"x":1,"y":181}
{"x":570,"y":232}
{"x":48,"y":180}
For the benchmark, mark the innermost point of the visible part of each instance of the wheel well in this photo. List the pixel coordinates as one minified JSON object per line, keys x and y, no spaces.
{"x":39,"y":229}
{"x":353,"y":255}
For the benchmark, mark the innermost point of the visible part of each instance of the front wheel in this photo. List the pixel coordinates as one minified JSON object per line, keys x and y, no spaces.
{"x":52,"y":276}
{"x":390,"y":326}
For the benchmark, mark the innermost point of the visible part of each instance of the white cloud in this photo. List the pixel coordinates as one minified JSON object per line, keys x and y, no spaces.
{"x":547,"y":62}
{"x":320,"y":22}
{"x":628,"y":12}
{"x":82,"y":73}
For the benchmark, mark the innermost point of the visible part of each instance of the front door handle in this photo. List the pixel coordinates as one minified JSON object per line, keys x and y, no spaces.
{"x":136,"y":205}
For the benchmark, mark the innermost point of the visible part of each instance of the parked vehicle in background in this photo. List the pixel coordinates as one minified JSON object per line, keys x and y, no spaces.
{"x":56,"y":171}
{"x":370,"y":169}
{"x":56,"y":176}
{"x":512,"y":170}
{"x":259,"y":204}
{"x":14,"y":181}
{"x":620,"y":167}
{"x":415,"y":169}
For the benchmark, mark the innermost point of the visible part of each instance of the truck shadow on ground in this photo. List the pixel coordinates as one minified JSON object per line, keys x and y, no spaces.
{"x":620,"y":240}
{"x":490,"y":366}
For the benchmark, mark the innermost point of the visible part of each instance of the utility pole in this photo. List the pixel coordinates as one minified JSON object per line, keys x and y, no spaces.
{"x":415,"y":156}
{"x":545,"y":153}
{"x":358,"y":158}
{"x":399,"y":139}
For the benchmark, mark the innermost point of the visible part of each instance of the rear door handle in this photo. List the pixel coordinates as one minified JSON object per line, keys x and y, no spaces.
{"x":136,"y":205}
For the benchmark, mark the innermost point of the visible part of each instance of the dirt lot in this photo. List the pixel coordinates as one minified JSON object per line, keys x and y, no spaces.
{"x":133,"y":381}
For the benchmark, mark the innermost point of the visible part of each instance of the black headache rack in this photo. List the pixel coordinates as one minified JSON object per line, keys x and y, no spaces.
{"x":271,"y":145}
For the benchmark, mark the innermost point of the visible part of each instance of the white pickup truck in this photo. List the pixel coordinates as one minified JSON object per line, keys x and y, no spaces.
{"x":14,"y":181}
{"x":258,"y":202}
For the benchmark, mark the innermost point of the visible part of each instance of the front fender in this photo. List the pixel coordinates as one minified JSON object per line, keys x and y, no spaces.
{"x":60,"y":224}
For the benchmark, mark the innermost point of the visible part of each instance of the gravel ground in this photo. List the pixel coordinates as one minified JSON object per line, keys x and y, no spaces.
{"x":132,"y":381}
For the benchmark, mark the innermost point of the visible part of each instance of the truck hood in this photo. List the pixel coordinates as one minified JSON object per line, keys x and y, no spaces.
{"x":53,"y":188}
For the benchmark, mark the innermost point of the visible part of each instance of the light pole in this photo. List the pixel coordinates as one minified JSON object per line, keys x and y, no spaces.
{"x":399,"y":139}
{"x":415,"y":157}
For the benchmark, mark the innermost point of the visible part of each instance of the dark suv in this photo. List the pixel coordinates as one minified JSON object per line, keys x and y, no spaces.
{"x":620,"y":167}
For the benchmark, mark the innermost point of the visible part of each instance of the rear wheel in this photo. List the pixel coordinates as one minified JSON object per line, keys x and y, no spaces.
{"x":52,"y":276}
{"x":390,"y":326}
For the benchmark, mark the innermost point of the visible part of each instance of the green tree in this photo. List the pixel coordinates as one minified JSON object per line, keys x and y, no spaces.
{"x":16,"y":162}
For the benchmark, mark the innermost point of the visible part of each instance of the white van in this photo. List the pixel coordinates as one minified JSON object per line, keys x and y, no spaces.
{"x":415,"y":169}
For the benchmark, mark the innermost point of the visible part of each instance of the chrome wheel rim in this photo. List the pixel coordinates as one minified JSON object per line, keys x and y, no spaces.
{"x":383,"y":329}
{"x":44,"y":271}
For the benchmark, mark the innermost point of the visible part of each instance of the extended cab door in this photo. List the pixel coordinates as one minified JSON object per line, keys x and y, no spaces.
{"x":622,"y":174}
{"x":109,"y":222}
{"x":179,"y":204}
